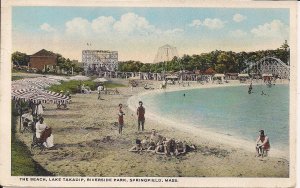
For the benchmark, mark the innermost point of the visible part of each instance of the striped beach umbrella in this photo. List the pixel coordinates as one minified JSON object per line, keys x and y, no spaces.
{"x":39,"y":95}
{"x":79,"y":77}
{"x":33,"y":90}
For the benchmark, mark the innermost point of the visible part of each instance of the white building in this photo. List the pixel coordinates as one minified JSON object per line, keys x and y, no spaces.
{"x":99,"y":60}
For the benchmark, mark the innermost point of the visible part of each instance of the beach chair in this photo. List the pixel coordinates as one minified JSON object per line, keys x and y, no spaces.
{"x":37,"y":145}
{"x":27,"y":126}
{"x":61,"y":106}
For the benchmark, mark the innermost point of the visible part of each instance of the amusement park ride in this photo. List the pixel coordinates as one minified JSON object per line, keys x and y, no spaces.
{"x":269,"y":65}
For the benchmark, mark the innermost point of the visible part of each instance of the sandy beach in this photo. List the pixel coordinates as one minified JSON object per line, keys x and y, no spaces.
{"x":82,"y":148}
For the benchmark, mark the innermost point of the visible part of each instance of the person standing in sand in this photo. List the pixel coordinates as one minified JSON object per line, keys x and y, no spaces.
{"x":141,"y":116}
{"x":121,"y":119}
{"x":99,"y":89}
{"x":39,"y":110}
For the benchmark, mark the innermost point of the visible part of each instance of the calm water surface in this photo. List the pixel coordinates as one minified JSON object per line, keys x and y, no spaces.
{"x":229,"y":110}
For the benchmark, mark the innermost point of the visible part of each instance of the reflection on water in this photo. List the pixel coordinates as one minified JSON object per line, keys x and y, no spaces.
{"x":229,"y":110}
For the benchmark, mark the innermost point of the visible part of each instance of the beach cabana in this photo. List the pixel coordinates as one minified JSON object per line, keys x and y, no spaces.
{"x":231,"y":76}
{"x":267,"y":77}
{"x":243,"y":77}
{"x":171,"y":79}
{"x":134,"y":78}
{"x":207,"y":75}
{"x":219,"y":77}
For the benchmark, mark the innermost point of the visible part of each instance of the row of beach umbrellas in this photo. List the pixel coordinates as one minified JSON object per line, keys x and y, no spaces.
{"x":34,"y":89}
{"x":39,"y":95}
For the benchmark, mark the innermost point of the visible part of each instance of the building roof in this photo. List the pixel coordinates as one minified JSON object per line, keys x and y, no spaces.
{"x":45,"y":53}
{"x":269,"y":75}
{"x":232,"y":74}
{"x":210,"y":71}
{"x":172,"y":77}
{"x":243,"y":75}
{"x":219,"y":75}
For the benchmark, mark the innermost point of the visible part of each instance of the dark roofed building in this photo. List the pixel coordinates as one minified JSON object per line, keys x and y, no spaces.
{"x":210,"y":71}
{"x":43,"y":59}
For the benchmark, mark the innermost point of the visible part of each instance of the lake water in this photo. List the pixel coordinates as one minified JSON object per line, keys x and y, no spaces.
{"x":229,"y":110}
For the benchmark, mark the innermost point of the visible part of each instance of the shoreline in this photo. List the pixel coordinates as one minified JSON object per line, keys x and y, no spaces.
{"x":229,"y":141}
{"x":83,"y":149}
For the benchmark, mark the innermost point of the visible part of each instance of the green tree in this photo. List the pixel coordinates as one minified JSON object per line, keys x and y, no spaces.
{"x":284,"y":51}
{"x":145,"y":68}
{"x":19,"y":58}
{"x":225,"y":62}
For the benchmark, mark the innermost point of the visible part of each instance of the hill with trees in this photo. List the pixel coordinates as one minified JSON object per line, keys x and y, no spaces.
{"x":220,"y":61}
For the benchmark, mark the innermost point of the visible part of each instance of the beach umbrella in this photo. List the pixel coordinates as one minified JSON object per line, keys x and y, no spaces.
{"x":60,"y":78}
{"x":79,"y":77}
{"x":33,"y":90}
{"x":39,"y":95}
{"x":36,"y":96}
{"x":134,"y":78}
{"x":39,"y":82}
{"x":100,"y":80}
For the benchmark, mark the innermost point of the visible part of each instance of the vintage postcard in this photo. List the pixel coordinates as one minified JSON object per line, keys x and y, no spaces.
{"x":148,"y":93}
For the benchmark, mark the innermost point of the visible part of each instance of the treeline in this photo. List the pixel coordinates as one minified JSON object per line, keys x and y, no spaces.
{"x":67,"y":64}
{"x":22,"y":59}
{"x":220,"y":61}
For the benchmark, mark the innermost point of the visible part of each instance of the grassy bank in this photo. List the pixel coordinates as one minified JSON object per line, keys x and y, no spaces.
{"x":72,"y":86}
{"x":16,"y":78}
{"x":21,"y":162}
{"x":113,"y":85}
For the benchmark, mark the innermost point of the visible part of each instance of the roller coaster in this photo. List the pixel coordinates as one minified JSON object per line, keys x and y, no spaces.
{"x":269,"y":65}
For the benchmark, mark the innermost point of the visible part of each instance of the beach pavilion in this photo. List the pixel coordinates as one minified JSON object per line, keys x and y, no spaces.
{"x":171,"y":79}
{"x":243,"y":77}
{"x":219,"y":77}
{"x":267,"y":77}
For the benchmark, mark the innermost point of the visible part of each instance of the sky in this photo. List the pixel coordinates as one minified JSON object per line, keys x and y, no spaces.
{"x":137,"y":33}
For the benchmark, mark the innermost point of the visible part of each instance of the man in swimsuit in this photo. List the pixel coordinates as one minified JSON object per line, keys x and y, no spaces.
{"x":121,"y":119}
{"x":262,"y":144}
{"x":141,"y":116}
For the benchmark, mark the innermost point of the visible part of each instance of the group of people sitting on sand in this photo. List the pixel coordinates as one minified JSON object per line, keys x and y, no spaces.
{"x":161,"y":145}
{"x":42,"y":133}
